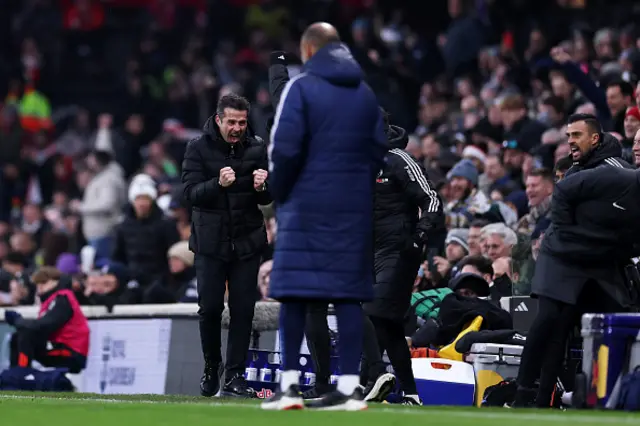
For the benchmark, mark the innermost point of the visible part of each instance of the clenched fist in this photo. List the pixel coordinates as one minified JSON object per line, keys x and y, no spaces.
{"x":227,"y":177}
{"x":259,"y":179}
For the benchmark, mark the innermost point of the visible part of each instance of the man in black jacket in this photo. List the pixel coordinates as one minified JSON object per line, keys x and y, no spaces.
{"x":590,"y":147}
{"x":580,"y":267}
{"x":407,"y":217}
{"x":224,"y":176}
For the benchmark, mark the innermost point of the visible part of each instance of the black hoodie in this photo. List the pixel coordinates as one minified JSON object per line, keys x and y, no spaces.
{"x":402,"y":190}
{"x":609,"y":151}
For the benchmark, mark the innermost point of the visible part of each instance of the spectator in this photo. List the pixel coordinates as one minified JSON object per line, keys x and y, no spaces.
{"x":478,"y":265}
{"x":466,"y":199}
{"x":34,"y":223}
{"x":22,"y":242}
{"x":474,"y":238}
{"x":76,"y":139}
{"x":636,"y":149}
{"x":619,"y":98}
{"x":102,"y":202}
{"x":498,"y":240}
{"x":561,"y":168}
{"x":144,"y":237}
{"x":539,"y":185}
{"x":456,"y":247}
{"x":181,"y":285}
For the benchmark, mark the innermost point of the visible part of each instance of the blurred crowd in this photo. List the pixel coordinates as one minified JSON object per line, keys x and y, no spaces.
{"x":100,"y":97}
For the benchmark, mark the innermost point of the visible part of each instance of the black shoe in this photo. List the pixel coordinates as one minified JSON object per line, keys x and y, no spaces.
{"x":411,"y":400}
{"x":287,"y":400}
{"x":210,"y":382}
{"x":336,"y":400}
{"x":525,"y":398}
{"x":315,"y":392}
{"x":379,"y":390}
{"x":237,"y":387}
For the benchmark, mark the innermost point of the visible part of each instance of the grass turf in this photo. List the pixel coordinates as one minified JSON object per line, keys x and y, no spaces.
{"x":51,"y":409}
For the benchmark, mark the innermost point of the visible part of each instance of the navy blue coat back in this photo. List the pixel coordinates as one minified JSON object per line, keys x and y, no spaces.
{"x":327,"y":145}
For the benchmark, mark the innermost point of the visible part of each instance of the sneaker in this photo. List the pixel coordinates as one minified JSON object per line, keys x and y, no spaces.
{"x":288,"y":400}
{"x":237,"y":387}
{"x":315,"y":392}
{"x":379,"y":390}
{"x":337,"y":401}
{"x":210,"y":382}
{"x":411,"y":400}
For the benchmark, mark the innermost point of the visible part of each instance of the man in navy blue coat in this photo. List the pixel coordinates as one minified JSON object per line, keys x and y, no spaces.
{"x":327,"y":146}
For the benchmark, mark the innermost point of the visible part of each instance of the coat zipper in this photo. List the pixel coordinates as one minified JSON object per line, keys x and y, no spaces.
{"x":232,"y":154}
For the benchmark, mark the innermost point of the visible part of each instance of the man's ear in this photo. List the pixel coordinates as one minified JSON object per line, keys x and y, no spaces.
{"x":595,"y":138}
{"x":218,"y":120}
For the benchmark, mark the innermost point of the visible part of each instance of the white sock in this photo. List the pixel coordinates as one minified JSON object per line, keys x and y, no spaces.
{"x":347,"y":383}
{"x":288,"y":378}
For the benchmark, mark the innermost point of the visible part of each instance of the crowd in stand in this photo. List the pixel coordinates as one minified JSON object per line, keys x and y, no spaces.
{"x":99,"y":99}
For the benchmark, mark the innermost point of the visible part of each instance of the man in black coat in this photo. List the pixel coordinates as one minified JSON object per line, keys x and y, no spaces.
{"x":407,"y":217}
{"x":590,"y":147}
{"x":224,"y":176}
{"x":144,"y":236}
{"x":580,"y":267}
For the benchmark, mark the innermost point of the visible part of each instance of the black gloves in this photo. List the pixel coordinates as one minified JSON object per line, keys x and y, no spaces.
{"x":280,"y":57}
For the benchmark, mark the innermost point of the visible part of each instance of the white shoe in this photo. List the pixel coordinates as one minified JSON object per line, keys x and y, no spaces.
{"x":291,"y":399}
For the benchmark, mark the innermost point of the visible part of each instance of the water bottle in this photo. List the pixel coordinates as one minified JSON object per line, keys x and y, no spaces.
{"x":278,"y":375}
{"x":251,"y":372}
{"x":265,"y":375}
{"x":333,"y":379}
{"x":309,"y":378}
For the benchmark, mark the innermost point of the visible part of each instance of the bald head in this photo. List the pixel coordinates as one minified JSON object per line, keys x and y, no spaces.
{"x":317,"y":36}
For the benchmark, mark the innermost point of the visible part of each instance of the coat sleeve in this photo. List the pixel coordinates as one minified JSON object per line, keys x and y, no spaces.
{"x":198,"y":190}
{"x":58,"y":314}
{"x":288,"y":140}
{"x":278,"y":79}
{"x":264,"y":197}
{"x":119,"y":253}
{"x":105,"y":203}
{"x":415,"y":184}
{"x":381,"y":142}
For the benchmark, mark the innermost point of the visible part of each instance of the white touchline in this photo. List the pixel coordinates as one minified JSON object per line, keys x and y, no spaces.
{"x":375,"y":408}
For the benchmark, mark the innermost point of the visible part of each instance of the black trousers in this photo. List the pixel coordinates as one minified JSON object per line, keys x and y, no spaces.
{"x":391,"y":338}
{"x":242,"y":276}
{"x":319,"y":343}
{"x":26,"y":346}
{"x":546,"y":346}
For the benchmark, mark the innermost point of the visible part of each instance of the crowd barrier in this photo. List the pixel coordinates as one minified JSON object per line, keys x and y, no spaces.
{"x":155,"y":349}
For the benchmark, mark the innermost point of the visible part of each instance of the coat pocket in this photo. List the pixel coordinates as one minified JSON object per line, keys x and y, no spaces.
{"x":206,"y":233}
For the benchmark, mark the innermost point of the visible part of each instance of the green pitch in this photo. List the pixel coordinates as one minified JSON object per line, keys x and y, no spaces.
{"x":25,"y":409}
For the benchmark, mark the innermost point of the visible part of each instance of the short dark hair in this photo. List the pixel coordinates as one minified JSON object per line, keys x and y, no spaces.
{"x":625,"y":87}
{"x":232,"y":101}
{"x":591,"y":121}
{"x":555,"y":102}
{"x":563,"y":164}
{"x":483,"y":264}
{"x":102,"y":157}
{"x":479,"y":223}
{"x":542,"y":172}
{"x":16,"y":258}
